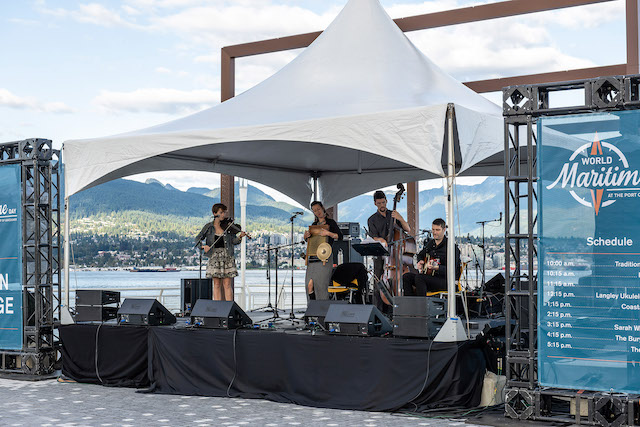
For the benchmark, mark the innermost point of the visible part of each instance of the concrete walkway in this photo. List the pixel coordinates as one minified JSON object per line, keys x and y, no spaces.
{"x":52,"y":403}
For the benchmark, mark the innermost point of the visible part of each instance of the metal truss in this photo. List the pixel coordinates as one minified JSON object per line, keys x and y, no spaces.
{"x":522,"y":106}
{"x":41,"y":250}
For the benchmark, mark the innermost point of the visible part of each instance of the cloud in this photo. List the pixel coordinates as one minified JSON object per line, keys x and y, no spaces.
{"x":157,"y":100}
{"x":90,"y":13}
{"x":10,"y":100}
{"x":162,"y":70}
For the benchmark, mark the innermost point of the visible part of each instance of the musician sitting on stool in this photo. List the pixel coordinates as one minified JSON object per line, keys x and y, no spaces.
{"x":432,"y":265}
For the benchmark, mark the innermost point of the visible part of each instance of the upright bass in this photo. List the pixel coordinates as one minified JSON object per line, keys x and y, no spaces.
{"x":402,"y":248}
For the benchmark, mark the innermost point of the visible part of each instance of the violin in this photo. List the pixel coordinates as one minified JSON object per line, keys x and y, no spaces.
{"x":233,"y":228}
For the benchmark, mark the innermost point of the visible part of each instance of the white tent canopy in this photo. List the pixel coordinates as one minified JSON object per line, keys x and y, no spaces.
{"x":360,"y":108}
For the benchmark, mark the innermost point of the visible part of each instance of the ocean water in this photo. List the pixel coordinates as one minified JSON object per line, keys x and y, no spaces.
{"x":166,"y":286}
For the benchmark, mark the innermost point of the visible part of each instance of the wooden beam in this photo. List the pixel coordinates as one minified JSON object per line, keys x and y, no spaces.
{"x":631,"y":7}
{"x":494,"y":85}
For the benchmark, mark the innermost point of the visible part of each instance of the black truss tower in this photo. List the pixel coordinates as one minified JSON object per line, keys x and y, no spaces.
{"x":41,"y":250}
{"x":525,"y":399}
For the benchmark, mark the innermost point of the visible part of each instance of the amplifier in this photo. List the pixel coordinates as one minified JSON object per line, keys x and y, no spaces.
{"x":418,"y":327}
{"x":95,"y":313}
{"x":355,"y":319}
{"x":191,"y":290}
{"x":96,"y":297}
{"x":343,"y":251}
{"x":419,"y":306}
{"x":349,"y":229}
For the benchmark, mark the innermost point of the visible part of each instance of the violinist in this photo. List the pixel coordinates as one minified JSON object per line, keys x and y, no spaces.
{"x":318,"y":273}
{"x":218,"y":245}
{"x":379,"y":224}
{"x":432,"y":264}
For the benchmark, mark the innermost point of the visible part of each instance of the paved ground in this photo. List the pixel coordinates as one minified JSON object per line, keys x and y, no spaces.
{"x":52,"y":403}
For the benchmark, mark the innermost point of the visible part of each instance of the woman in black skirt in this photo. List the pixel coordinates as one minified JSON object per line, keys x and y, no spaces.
{"x":218,"y":247}
{"x":318,"y":274}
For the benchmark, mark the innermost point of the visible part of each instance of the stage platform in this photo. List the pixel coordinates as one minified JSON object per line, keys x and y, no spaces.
{"x":341,"y":372}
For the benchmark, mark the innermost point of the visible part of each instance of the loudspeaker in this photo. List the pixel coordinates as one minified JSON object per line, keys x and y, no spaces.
{"x":191,"y":290}
{"x":419,"y":327}
{"x":317,"y":311}
{"x":96,"y":297}
{"x":418,"y":306}
{"x":95,"y":313}
{"x":355,"y":319}
{"x":495,"y":285}
{"x":219,"y":315}
{"x":144,"y":312}
{"x":343,"y":252}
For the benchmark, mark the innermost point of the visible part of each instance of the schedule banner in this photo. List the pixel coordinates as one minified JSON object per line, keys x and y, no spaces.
{"x":10,"y":258}
{"x":589,"y":251}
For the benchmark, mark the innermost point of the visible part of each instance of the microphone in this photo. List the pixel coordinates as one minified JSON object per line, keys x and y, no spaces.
{"x":500,"y":217}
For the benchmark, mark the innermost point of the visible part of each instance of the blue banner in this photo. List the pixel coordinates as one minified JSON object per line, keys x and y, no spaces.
{"x":10,"y":258}
{"x":589,"y":251}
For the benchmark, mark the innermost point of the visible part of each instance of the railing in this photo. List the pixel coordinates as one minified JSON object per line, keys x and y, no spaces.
{"x":257,"y":296}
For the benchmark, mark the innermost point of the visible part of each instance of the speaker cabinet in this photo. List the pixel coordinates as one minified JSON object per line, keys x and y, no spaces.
{"x":343,"y":251}
{"x":355,"y":319}
{"x":317,"y":311}
{"x":95,"y":313}
{"x":191,"y":290}
{"x":219,"y":315}
{"x":418,"y":306}
{"x":96,"y":297}
{"x":417,"y":327}
{"x":150,"y":312}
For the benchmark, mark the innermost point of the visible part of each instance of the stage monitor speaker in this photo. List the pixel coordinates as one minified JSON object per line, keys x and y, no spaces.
{"x":191,"y":290}
{"x":343,"y":252}
{"x":419,"y":306}
{"x":418,"y":327}
{"x":495,"y":285}
{"x":219,"y":315}
{"x":356,"y":319}
{"x":317,"y":311}
{"x":95,"y":313}
{"x":138,"y":311}
{"x":96,"y":297}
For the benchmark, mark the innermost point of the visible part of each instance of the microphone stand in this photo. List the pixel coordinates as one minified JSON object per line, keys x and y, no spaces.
{"x":484,"y":250}
{"x":293,"y":216}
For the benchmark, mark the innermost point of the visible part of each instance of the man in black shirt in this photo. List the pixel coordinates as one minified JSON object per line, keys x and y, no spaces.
{"x":434,"y":277}
{"x":379,"y":224}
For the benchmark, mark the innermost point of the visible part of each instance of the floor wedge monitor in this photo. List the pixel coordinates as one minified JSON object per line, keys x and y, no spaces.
{"x":317,"y":310}
{"x":219,"y":315}
{"x":139,"y":311}
{"x":356,"y":319}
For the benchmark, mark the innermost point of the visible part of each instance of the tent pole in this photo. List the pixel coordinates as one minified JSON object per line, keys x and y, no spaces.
{"x":67,"y":245}
{"x":243,"y":246}
{"x":315,"y":186}
{"x":452,"y":330}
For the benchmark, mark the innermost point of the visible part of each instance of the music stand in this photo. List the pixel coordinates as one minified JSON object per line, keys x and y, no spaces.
{"x":370,"y":249}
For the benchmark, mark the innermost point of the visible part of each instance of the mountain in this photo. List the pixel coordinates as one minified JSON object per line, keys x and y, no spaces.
{"x":122,"y":195}
{"x":481,"y":202}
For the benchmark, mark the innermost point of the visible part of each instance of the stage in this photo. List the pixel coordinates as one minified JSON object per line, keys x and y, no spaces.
{"x":341,"y":372}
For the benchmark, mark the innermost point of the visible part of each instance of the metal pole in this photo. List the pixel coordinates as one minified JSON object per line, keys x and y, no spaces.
{"x":243,"y":246}
{"x":67,"y":237}
{"x":451,"y":240}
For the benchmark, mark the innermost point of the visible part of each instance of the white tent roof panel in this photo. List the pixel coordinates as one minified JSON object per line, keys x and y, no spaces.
{"x":361,"y":87}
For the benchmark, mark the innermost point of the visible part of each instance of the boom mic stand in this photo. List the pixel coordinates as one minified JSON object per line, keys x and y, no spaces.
{"x":484,"y":250}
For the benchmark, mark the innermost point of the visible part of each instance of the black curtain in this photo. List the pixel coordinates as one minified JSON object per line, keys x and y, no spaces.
{"x":122,"y":354}
{"x":374,"y":374}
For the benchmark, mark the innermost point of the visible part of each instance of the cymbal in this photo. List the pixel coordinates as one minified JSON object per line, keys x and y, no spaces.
{"x":324,"y":251}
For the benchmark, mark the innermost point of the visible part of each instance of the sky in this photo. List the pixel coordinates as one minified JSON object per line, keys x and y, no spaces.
{"x":83,"y":69}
